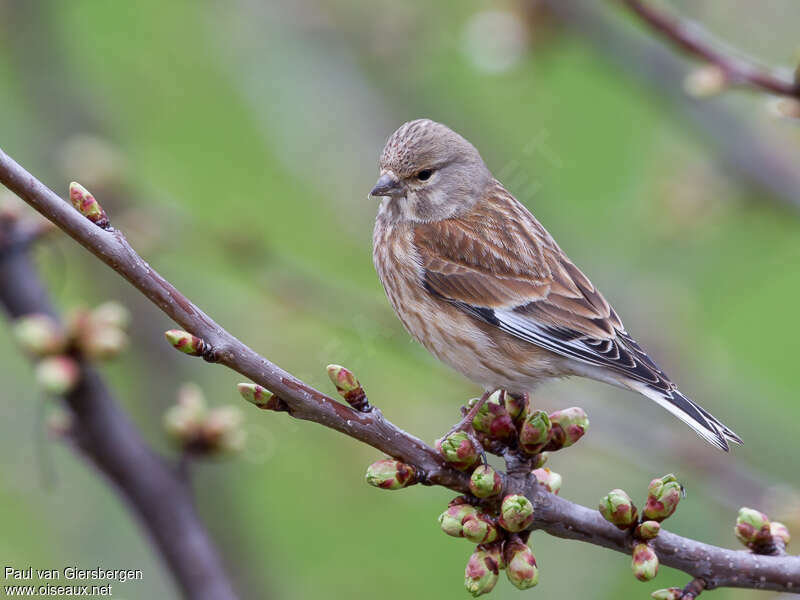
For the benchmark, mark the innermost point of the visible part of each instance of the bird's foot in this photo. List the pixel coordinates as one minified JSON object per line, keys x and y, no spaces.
{"x":465,"y":426}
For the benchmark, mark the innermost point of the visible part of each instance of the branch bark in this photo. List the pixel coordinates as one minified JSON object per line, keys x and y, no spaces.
{"x":716,"y":566}
{"x":104,"y":435}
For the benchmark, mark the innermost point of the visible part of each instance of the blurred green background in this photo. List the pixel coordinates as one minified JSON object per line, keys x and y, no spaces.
{"x":236,"y":143}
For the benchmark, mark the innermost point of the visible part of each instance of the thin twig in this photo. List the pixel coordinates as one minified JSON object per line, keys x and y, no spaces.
{"x":718,"y":567}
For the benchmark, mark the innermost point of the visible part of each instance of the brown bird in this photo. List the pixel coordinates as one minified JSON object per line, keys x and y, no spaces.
{"x":478,"y":281}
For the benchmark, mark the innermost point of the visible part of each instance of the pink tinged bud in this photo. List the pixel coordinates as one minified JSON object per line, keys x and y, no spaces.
{"x":521,"y":566}
{"x":644,"y":563}
{"x":480,"y":529}
{"x":185,"y":342}
{"x":673,"y":593}
{"x":458,"y":450}
{"x":516,"y":513}
{"x":663,"y":496}
{"x":261,"y":397}
{"x":391,"y":474}
{"x":647,"y":530}
{"x":485,"y":482}
{"x":752,"y":527}
{"x":39,"y":335}
{"x":618,"y":509}
{"x":534,"y":432}
{"x":780,"y":531}
{"x":58,"y":375}
{"x":348,"y":387}
{"x":549,"y":479}
{"x":516,"y":405}
{"x":482,"y":572}
{"x":493,"y":418}
{"x":85,"y":203}
{"x":539,"y":460}
{"x":568,"y":426}
{"x":453,"y":519}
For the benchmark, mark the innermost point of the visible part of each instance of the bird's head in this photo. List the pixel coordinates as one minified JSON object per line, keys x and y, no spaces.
{"x":428,"y":172}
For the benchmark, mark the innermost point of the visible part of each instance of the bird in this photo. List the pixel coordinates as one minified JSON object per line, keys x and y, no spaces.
{"x":480,"y":283}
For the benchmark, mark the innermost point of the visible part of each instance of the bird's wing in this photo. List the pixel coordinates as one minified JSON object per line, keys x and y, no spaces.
{"x":500,"y":265}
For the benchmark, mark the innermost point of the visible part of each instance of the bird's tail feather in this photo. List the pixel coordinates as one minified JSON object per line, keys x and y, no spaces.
{"x":704,"y":423}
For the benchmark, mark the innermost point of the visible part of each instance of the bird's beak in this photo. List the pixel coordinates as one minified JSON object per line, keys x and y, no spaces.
{"x":387,"y":185}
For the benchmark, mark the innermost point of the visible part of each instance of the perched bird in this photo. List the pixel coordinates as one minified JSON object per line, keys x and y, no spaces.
{"x":479,"y":282}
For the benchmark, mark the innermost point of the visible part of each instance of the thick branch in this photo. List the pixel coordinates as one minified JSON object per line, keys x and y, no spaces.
{"x":559,"y":517}
{"x":691,"y":38}
{"x":107,"y":438}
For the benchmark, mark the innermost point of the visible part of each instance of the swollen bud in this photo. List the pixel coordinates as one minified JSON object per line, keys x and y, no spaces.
{"x":534,"y":433}
{"x":647,"y":530}
{"x":348,"y":387}
{"x":644,"y":563}
{"x":618,"y":509}
{"x":185,"y":342}
{"x":705,"y":81}
{"x":517,"y":405}
{"x":222,"y":430}
{"x":752,"y":527}
{"x":86,"y":204}
{"x":516,"y":513}
{"x":663,"y":495}
{"x":391,"y":474}
{"x":550,"y":480}
{"x":780,"y":531}
{"x":480,"y":529}
{"x":520,"y":564}
{"x":39,"y":334}
{"x":482,"y":572}
{"x":673,"y":593}
{"x":485,"y":482}
{"x":458,"y":449}
{"x":260,"y":396}
{"x":452,"y":520}
{"x":569,"y":425}
{"x":493,"y":419}
{"x":58,"y":375}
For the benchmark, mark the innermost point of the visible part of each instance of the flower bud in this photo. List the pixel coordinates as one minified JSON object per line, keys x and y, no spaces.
{"x":539,"y":460}
{"x":516,"y":513}
{"x":647,"y":530}
{"x":521,"y":566}
{"x":102,"y":342}
{"x":485,"y":482}
{"x":493,"y":418}
{"x":673,"y":593}
{"x":222,"y":431}
{"x":534,"y":432}
{"x":261,"y":397}
{"x":185,"y":342}
{"x":391,"y":474}
{"x":482,"y":571}
{"x":58,"y":375}
{"x":86,"y":204}
{"x":752,"y":527}
{"x":348,"y":387}
{"x":112,"y":314}
{"x":705,"y":81}
{"x":516,"y":405}
{"x":644,"y":563}
{"x":480,"y":529}
{"x":618,"y":509}
{"x":780,"y":531}
{"x":550,"y":480}
{"x":663,"y":495}
{"x":39,"y":334}
{"x":568,"y":426}
{"x":183,"y":421}
{"x":452,"y":520}
{"x":458,"y":449}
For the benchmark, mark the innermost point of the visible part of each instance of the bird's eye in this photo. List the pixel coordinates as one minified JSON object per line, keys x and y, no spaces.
{"x":425,"y":174}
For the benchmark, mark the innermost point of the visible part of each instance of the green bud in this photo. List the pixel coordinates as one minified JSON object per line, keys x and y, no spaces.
{"x":644,"y":562}
{"x":517,"y":405}
{"x":184,"y":420}
{"x":58,"y":375}
{"x":752,"y":527}
{"x":647,"y":530}
{"x":618,"y":509}
{"x":39,"y":334}
{"x":452,"y":520}
{"x":672,"y":593}
{"x":260,"y":396}
{"x":493,"y":418}
{"x":485,"y":482}
{"x":102,"y":342}
{"x":550,"y":480}
{"x":348,"y":387}
{"x":568,"y":426}
{"x":112,"y":314}
{"x":185,"y":342}
{"x":516,"y":513}
{"x":534,"y":432}
{"x":780,"y":531}
{"x":663,"y":495}
{"x":480,"y":529}
{"x":458,"y":450}
{"x":482,"y":571}
{"x":539,"y":460}
{"x":85,"y":203}
{"x":389,"y":474}
{"x":521,"y":566}
{"x":222,"y":430}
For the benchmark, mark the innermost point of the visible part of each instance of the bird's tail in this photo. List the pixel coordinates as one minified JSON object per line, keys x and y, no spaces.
{"x":695,"y":416}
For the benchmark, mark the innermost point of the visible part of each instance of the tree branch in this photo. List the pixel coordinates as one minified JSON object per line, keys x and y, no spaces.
{"x":106,"y":437}
{"x":694,"y":40}
{"x":716,"y":566}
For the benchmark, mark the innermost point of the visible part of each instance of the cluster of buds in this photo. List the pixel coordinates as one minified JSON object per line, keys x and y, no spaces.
{"x":512,"y":555}
{"x":464,"y":520}
{"x":199,"y":430}
{"x":757,"y":532}
{"x":97,"y":334}
{"x":616,"y":507}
